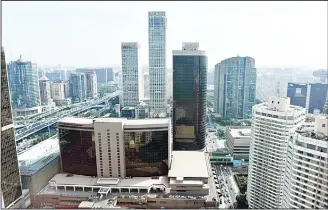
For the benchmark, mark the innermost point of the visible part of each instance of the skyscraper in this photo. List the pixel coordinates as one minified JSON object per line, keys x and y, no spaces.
{"x":271,"y":124}
{"x":45,"y":91}
{"x":311,"y":96}
{"x":91,"y":84}
{"x":24,"y":87}
{"x":130,"y":75}
{"x":306,"y":176}
{"x":11,"y":189}
{"x":189,"y":97}
{"x":157,"y":62}
{"x":77,"y":87}
{"x":235,"y":87}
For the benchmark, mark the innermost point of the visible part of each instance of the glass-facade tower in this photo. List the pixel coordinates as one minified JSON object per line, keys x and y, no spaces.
{"x":11,"y":189}
{"x":235,"y":87}
{"x":189,"y":97}
{"x":157,"y":62}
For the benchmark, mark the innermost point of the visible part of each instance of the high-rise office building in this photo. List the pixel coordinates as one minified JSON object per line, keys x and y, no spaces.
{"x":130,"y":75}
{"x":271,"y":124}
{"x":235,"y":87}
{"x":189,"y":97}
{"x":77,"y":87}
{"x":11,"y":189}
{"x":55,"y":75}
{"x":306,"y":177}
{"x":104,"y":75}
{"x":24,"y":87}
{"x":45,"y":91}
{"x":311,"y":96}
{"x":115,"y":147}
{"x":157,"y":62}
{"x":91,"y":85}
{"x":57,"y":90}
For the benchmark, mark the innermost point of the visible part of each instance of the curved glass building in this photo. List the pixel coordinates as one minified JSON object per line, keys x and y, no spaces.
{"x":189,"y":97}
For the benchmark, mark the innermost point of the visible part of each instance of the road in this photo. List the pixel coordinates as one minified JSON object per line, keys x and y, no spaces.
{"x":39,"y":125}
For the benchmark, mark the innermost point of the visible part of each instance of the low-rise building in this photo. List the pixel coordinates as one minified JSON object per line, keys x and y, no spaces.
{"x":238,"y":141}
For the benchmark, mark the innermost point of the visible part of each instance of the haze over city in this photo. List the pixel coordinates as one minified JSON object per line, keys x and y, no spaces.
{"x":86,"y":34}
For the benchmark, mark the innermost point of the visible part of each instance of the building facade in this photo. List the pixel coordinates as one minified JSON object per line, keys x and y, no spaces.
{"x":45,"y":91}
{"x":104,"y":75}
{"x":271,"y":124}
{"x":189,"y":97}
{"x":157,"y":61}
{"x":311,"y":96}
{"x":24,"y":87}
{"x":238,"y":141}
{"x":91,"y":85}
{"x":11,"y":189}
{"x":115,"y":147}
{"x":306,"y":178}
{"x":235,"y":87}
{"x":77,"y":87}
{"x":130,"y":75}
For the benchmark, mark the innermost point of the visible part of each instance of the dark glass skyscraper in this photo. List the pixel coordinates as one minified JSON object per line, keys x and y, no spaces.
{"x":11,"y":189}
{"x":77,"y":87}
{"x":312,"y":97}
{"x":235,"y":87}
{"x":189,"y":97}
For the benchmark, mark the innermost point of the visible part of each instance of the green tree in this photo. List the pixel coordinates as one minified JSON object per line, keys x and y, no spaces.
{"x":241,"y":202}
{"x":258,"y":101}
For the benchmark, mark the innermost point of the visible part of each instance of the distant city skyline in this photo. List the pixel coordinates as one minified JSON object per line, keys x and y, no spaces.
{"x":88,"y":34}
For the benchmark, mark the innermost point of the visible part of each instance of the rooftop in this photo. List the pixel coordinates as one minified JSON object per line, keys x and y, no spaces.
{"x":39,"y":155}
{"x":70,"y":179}
{"x":188,"y":164}
{"x":240,"y":132}
{"x":213,"y":144}
{"x":76,"y":120}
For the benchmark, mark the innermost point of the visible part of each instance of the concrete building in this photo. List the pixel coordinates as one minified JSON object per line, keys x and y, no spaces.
{"x":11,"y":188}
{"x":157,"y":62}
{"x":187,"y":186}
{"x":38,"y":165}
{"x":235,"y":87}
{"x":189,"y":97}
{"x":104,"y":75}
{"x":128,"y":112}
{"x":271,"y":123}
{"x":306,"y":177}
{"x":91,"y":85}
{"x":130,"y":75}
{"x":142,"y":111}
{"x":24,"y":87}
{"x":77,"y":87}
{"x":59,"y":93}
{"x":322,"y":74}
{"x":55,"y":75}
{"x":238,"y":141}
{"x":146,"y":86}
{"x":45,"y":92}
{"x":115,"y":147}
{"x":311,"y":96}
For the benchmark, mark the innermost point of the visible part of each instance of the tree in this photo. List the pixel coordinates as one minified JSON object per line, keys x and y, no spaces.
{"x":258,"y":101}
{"x":241,"y":201}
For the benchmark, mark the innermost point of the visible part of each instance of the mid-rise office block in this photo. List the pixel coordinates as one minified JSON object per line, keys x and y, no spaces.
{"x":189,"y":97}
{"x":238,"y":141}
{"x":311,"y":96}
{"x":157,"y":62}
{"x":24,"y":87}
{"x":77,"y":87}
{"x":115,"y":147}
{"x":271,"y":124}
{"x":104,"y":75}
{"x":130,"y":75}
{"x":306,"y":177}
{"x":11,"y":188}
{"x":235,"y":87}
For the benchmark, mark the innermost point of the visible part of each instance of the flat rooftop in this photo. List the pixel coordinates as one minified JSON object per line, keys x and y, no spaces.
{"x":240,"y":132}
{"x":213,"y":144}
{"x":188,"y":164}
{"x":70,"y":179}
{"x":76,"y":120}
{"x":38,"y":156}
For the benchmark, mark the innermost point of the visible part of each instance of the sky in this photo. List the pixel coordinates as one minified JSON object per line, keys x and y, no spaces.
{"x":89,"y":34}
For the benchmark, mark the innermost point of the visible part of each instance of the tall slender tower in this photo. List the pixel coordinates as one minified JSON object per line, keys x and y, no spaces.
{"x":130,"y":75}
{"x":157,"y":62}
{"x":11,"y":189}
{"x":189,"y":97}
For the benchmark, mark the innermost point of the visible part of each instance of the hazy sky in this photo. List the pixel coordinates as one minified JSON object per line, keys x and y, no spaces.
{"x":276,"y":34}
